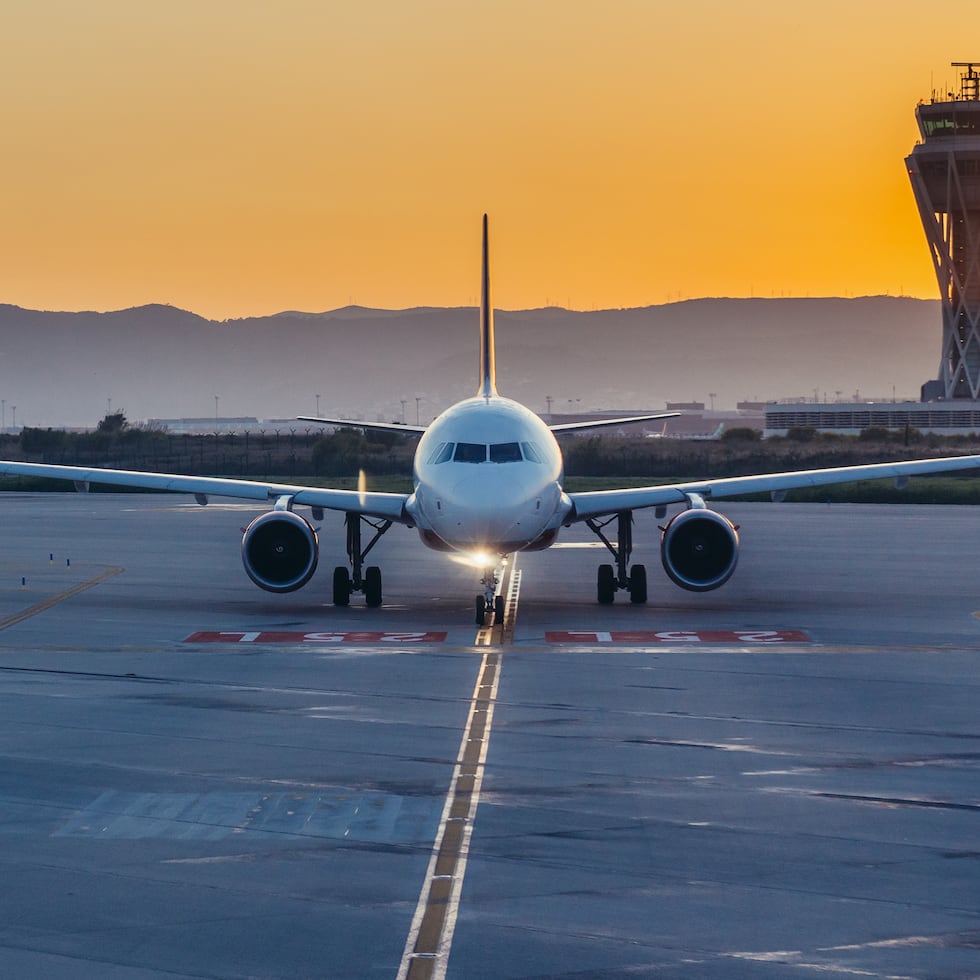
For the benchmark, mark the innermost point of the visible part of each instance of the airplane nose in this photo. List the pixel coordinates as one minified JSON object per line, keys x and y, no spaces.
{"x":486,"y":509}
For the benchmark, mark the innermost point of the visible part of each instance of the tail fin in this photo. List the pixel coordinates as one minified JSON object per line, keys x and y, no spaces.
{"x":488,"y":360}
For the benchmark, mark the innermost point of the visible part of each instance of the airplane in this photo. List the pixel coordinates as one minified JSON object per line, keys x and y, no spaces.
{"x":487,"y":478}
{"x":712,"y":436}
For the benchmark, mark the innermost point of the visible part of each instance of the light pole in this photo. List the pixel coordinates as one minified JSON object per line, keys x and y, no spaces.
{"x":418,"y":403}
{"x":317,"y":406}
{"x":403,"y":411}
{"x":215,"y":408}
{"x":712,"y":396}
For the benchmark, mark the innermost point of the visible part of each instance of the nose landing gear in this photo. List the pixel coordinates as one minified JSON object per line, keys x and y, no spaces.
{"x":488,"y":602}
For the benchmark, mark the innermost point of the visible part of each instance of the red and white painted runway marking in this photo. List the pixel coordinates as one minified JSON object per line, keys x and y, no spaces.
{"x":278,"y":636}
{"x":676,"y":636}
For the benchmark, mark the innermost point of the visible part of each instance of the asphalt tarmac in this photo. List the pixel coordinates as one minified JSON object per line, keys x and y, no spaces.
{"x":200,"y":779}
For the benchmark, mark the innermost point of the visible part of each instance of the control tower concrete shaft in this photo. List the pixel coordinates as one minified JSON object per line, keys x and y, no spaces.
{"x":945,"y":172}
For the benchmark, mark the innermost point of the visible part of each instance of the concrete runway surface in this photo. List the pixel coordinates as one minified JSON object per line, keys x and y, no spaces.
{"x":776,"y":779}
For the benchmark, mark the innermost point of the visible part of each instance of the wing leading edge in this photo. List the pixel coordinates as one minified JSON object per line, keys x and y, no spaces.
{"x":417,"y":430}
{"x":602,"y":423}
{"x":403,"y":428}
{"x":598,"y":502}
{"x":389,"y":506}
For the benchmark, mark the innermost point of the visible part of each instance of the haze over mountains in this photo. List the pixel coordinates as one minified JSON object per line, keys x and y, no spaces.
{"x":160,"y":362}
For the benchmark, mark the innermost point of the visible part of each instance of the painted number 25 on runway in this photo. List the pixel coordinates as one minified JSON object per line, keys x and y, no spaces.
{"x":277,"y":636}
{"x":676,"y":636}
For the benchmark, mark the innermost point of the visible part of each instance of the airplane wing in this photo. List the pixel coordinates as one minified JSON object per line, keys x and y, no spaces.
{"x":415,"y":430}
{"x":599,"y":502}
{"x":599,"y":423}
{"x":405,"y":430}
{"x":389,"y":506}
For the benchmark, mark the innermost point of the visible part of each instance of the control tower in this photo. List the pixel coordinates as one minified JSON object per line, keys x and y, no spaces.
{"x":945,"y":172}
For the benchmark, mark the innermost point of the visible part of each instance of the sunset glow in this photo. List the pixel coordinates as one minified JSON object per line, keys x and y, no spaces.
{"x":239,"y":158}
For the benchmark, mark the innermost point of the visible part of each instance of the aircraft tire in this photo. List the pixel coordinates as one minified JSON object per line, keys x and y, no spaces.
{"x":372,"y":586}
{"x":606,"y":585}
{"x":341,"y":586}
{"x":638,"y":585}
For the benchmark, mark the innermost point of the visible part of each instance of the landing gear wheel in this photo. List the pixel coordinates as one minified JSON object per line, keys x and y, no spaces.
{"x":638,"y":585}
{"x":341,"y":586}
{"x":498,"y":610}
{"x":606,"y":585}
{"x":372,"y":586}
{"x":481,"y":610}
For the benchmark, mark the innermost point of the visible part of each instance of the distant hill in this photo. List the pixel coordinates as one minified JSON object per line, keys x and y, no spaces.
{"x":158,"y":361}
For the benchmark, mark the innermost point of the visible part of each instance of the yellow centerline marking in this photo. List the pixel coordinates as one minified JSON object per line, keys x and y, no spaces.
{"x":41,"y":607}
{"x":426,"y":955}
{"x":502,"y":634}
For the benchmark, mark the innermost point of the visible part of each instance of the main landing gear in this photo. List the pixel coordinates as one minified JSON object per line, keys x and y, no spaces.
{"x":610,"y":580}
{"x":346,"y":580}
{"x":488,"y":602}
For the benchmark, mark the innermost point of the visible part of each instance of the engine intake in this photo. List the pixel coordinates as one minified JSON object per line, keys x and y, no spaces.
{"x":280,"y":551}
{"x":699,"y":549}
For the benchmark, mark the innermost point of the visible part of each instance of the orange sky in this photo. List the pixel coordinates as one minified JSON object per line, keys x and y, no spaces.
{"x":234,"y":157}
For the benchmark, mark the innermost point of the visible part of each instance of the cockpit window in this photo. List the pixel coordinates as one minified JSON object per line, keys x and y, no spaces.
{"x":505,"y":452}
{"x":470,"y":452}
{"x":442,"y":453}
{"x":478,"y":452}
{"x":531,"y":452}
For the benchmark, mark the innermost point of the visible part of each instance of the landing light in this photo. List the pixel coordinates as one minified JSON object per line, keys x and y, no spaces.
{"x":483,"y":559}
{"x":478,"y":559}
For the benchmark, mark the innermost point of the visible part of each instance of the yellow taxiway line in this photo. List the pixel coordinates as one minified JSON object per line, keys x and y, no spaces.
{"x":41,"y":607}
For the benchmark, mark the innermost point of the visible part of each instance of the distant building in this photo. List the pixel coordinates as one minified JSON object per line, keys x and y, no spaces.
{"x":943,"y":418}
{"x":945,"y":172}
{"x":944,"y":168}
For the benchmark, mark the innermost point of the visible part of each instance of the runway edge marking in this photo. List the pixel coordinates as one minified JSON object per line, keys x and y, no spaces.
{"x":427,"y":948}
{"x":41,"y":607}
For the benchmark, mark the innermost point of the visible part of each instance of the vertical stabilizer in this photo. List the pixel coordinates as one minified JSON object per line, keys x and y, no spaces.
{"x":488,"y":361}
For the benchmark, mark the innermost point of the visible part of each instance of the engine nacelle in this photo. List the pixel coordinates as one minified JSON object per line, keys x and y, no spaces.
{"x":280,"y":551}
{"x":699,"y":549}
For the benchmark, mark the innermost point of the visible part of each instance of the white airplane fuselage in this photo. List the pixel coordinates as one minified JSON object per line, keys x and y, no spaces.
{"x":488,"y":475}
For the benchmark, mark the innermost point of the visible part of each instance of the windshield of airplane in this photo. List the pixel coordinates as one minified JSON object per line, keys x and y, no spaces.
{"x":442,"y":453}
{"x":532,"y":453}
{"x":470,"y":452}
{"x":478,"y":452}
{"x":505,"y":452}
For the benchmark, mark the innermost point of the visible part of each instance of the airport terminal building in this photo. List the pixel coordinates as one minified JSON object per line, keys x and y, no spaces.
{"x":950,"y":418}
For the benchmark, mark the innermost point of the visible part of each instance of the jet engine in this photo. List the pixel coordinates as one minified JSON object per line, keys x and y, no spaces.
{"x":699,"y":549}
{"x":280,"y":551}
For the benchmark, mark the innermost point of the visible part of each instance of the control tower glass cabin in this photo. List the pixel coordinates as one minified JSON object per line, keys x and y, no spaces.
{"x":945,"y":172}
